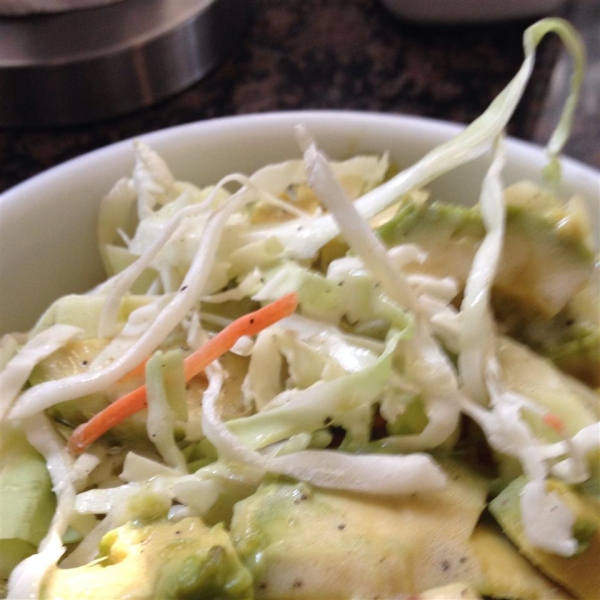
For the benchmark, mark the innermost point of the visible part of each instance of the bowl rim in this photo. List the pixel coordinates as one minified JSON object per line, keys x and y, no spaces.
{"x":442,"y":128}
{"x":35,"y":268}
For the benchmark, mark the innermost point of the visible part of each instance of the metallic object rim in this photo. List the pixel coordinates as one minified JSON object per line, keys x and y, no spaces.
{"x":128,"y":73}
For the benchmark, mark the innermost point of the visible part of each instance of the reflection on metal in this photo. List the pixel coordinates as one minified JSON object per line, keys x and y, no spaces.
{"x":85,"y":65}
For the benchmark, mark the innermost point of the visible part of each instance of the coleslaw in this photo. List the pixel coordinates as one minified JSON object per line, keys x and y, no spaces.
{"x":287,"y":339}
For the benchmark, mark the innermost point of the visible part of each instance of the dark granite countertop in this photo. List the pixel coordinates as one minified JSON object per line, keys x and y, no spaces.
{"x":351,"y":54}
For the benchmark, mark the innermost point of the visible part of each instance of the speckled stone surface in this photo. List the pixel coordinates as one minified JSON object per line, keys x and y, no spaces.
{"x":351,"y":54}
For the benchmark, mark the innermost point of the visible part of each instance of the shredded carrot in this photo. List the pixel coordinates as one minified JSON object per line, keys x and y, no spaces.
{"x":554,"y":421}
{"x":131,"y":403}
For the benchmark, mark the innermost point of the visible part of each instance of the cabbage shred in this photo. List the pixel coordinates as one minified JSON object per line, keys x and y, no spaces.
{"x":370,"y":338}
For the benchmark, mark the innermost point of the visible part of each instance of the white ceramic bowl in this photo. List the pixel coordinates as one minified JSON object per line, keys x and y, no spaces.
{"x":48,"y":224}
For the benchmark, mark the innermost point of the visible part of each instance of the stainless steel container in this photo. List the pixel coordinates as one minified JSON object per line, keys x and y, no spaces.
{"x":80,"y":66}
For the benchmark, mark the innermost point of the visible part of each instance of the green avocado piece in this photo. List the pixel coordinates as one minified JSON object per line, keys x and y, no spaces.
{"x":301,"y":542}
{"x":73,"y":358}
{"x":497,"y":557}
{"x":453,"y":591}
{"x":544,"y":262}
{"x":580,"y":573}
{"x":70,"y":359}
{"x":570,"y":339}
{"x":537,"y":378}
{"x":580,"y":356}
{"x":555,"y":392}
{"x":168,"y":560}
{"x":84,"y":311}
{"x":27,"y":502}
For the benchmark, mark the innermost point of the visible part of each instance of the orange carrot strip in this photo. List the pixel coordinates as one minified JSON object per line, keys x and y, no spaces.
{"x":554,"y":421}
{"x":124,"y":407}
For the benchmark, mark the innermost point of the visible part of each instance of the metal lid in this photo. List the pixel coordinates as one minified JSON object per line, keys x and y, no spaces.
{"x":85,"y":65}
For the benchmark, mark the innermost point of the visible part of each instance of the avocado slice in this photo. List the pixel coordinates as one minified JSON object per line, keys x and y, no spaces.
{"x":580,"y":573}
{"x":301,"y":542}
{"x":70,"y":359}
{"x":161,"y":559}
{"x":569,"y":339}
{"x":537,"y":378}
{"x":497,"y":557}
{"x":73,"y":358}
{"x":84,"y":311}
{"x":555,"y":392}
{"x":544,"y":262}
{"x":453,"y":591}
{"x":27,"y":502}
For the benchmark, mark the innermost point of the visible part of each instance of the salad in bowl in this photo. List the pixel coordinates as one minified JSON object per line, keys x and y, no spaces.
{"x":319,"y":379}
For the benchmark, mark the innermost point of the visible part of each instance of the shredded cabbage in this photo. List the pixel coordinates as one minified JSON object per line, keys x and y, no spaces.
{"x":362,"y":390}
{"x":16,"y":373}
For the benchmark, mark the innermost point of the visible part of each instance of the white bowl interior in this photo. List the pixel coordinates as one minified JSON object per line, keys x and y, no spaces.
{"x":48,"y":224}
